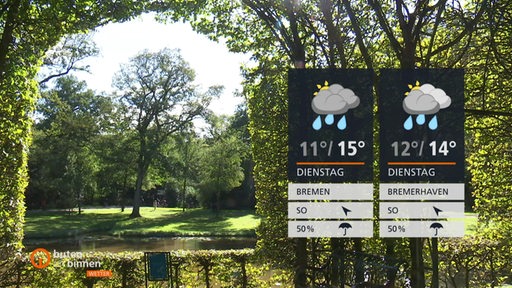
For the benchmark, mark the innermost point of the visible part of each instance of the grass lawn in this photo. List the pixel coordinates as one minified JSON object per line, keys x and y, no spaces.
{"x":470,"y":222}
{"x":161,"y":222}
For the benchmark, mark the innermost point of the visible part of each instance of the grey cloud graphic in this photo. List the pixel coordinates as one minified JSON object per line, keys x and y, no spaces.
{"x":334,"y":100}
{"x":438,"y":94}
{"x":418,"y":102}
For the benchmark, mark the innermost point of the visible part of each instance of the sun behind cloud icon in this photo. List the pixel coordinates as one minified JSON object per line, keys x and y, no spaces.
{"x":424,"y":100}
{"x":333,"y":100}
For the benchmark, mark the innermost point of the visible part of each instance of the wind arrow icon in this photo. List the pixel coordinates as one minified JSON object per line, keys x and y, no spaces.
{"x":437,"y":210}
{"x":346,"y":210}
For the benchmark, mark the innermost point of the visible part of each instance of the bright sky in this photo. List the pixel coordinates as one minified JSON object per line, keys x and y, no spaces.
{"x":212,"y":62}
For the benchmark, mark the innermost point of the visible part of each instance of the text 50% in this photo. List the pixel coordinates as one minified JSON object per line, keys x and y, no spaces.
{"x":305,"y":228}
{"x":396,"y":228}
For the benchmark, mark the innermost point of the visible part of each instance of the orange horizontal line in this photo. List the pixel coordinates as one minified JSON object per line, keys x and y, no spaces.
{"x":423,"y":163}
{"x":332,"y":163}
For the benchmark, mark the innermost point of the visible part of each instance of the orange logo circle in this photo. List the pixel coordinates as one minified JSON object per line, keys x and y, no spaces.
{"x":42,"y":256}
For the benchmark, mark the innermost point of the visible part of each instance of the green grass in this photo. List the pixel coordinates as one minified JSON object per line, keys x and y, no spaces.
{"x":470,"y":223}
{"x":162,"y":222}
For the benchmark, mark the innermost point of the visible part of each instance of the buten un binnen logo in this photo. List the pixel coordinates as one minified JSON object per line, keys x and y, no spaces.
{"x":40,"y":258}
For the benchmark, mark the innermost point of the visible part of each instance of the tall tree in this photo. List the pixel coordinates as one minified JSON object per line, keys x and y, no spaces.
{"x":157,"y":91}
{"x":222,"y":158}
{"x":117,"y":150}
{"x":27,"y":30}
{"x":239,"y":124}
{"x":62,"y":160}
{"x":371,"y":34}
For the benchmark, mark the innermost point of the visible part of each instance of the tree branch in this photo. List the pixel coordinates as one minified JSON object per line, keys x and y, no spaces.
{"x":269,"y":20}
{"x":359,"y":34}
{"x":478,"y":112}
{"x":385,"y":26}
{"x":434,"y":30}
{"x":317,"y":38}
{"x":468,"y":28}
{"x":48,"y":78}
{"x":298,"y":52}
{"x":333,"y":34}
{"x":492,"y":29}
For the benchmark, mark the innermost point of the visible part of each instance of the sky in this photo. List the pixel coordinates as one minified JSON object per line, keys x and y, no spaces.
{"x":212,"y":62}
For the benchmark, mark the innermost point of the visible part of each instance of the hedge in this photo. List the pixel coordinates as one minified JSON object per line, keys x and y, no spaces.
{"x":200,"y":268}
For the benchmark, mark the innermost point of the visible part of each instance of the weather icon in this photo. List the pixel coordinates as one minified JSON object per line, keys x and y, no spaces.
{"x":333,"y":100}
{"x":424,"y":100}
{"x":345,"y":226}
{"x":437,"y":226}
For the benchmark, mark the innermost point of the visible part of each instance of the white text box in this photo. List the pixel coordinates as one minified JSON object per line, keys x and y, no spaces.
{"x":421,"y":191}
{"x":330,"y":191}
{"x":332,"y":229}
{"x":421,"y":210}
{"x":330,"y":210}
{"x":416,"y":229}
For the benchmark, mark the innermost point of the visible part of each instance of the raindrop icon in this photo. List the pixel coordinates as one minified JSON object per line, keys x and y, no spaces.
{"x":420,"y":119}
{"x":317,"y":124}
{"x":329,"y":119}
{"x":433,"y":123}
{"x":342,"y":124}
{"x":408,"y":123}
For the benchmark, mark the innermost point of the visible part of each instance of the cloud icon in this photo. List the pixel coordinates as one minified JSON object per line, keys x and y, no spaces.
{"x":419,"y":103}
{"x":425,"y":99}
{"x":438,"y":94}
{"x":334,"y":100}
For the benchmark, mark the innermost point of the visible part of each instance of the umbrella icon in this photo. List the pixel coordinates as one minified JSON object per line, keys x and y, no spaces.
{"x":345,"y":226}
{"x":436,"y":225}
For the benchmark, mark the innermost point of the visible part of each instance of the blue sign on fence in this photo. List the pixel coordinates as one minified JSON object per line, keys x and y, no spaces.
{"x":157,"y":266}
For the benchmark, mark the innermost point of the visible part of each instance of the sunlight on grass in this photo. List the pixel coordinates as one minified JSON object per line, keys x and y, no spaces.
{"x":470,"y":223}
{"x":154,"y":222}
{"x":245,"y":222}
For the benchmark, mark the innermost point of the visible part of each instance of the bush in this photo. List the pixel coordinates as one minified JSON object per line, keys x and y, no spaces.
{"x":202,"y":268}
{"x":474,"y":262}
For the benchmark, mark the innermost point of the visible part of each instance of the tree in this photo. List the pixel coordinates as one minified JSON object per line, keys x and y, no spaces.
{"x":116,"y":150}
{"x":157,"y":91}
{"x":370,"y":34}
{"x":182,"y":164}
{"x":239,"y":124}
{"x":28,"y":29}
{"x":489,"y":128}
{"x":63,"y":163}
{"x":222,"y":162}
{"x":66,"y":55}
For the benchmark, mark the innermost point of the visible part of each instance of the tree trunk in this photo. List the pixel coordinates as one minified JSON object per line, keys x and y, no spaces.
{"x":359,"y":261}
{"x":137,"y":193}
{"x":301,"y":251}
{"x":7,"y":35}
{"x":338,"y":262}
{"x":301,"y":261}
{"x":435,"y":263}
{"x":390,"y":262}
{"x":141,"y":173}
{"x":417,"y":267}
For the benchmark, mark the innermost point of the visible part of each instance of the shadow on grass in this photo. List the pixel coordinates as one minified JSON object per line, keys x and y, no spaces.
{"x":164,"y":222}
{"x":196,"y":222}
{"x":58,"y":224}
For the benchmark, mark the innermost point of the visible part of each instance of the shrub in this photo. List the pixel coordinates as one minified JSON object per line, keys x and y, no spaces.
{"x":201,"y":268}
